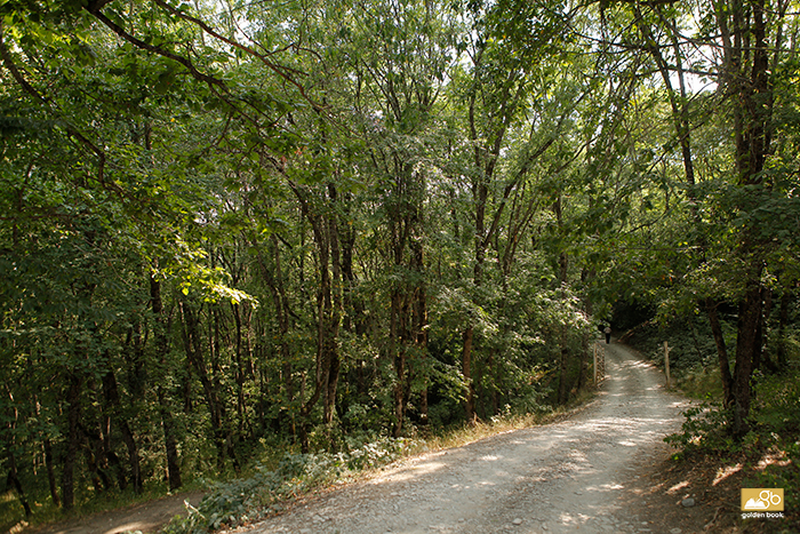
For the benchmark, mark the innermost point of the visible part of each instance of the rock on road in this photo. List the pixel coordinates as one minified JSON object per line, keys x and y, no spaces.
{"x":569,"y":476}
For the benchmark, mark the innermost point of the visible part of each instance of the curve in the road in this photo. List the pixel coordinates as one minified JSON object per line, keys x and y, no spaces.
{"x":569,"y":476}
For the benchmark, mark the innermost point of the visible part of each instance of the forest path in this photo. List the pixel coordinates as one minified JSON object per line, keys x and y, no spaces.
{"x":146,"y":517}
{"x":577,"y":475}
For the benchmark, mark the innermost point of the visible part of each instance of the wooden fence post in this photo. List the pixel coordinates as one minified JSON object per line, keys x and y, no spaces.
{"x":599,"y":364}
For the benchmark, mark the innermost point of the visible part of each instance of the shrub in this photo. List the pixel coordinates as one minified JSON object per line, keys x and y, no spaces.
{"x":247,"y":499}
{"x":705,"y":430}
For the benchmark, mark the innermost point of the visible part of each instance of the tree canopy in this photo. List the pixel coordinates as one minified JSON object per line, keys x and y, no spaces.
{"x":231,"y":225}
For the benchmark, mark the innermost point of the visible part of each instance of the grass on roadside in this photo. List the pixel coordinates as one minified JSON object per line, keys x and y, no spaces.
{"x":466,"y":434}
{"x":45,"y":512}
{"x":280,"y":476}
{"x":249,"y":499}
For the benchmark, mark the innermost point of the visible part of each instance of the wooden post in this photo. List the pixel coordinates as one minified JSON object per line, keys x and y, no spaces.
{"x":666,"y":364}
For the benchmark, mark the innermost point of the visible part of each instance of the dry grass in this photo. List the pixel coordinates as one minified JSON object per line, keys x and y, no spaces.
{"x":498,"y":425}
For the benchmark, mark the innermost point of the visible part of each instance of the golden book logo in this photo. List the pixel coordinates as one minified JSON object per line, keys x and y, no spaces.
{"x":762,"y":499}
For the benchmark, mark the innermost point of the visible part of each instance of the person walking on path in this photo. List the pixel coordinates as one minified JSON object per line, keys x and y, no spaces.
{"x":607,"y":332}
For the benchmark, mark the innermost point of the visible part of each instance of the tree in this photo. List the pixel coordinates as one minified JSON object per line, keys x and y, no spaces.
{"x":749,"y":38}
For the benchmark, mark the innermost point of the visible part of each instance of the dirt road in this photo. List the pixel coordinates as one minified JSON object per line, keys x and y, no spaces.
{"x":147,"y":517}
{"x":573,"y":476}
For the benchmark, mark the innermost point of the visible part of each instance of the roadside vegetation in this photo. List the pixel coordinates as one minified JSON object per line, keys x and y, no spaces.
{"x":768,"y":455}
{"x":274,"y":485}
{"x":235,"y":234}
{"x":277,"y":474}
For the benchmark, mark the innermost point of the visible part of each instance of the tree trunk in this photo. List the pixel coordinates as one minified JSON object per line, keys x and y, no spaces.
{"x":273,"y":276}
{"x":563,"y":367}
{"x":51,"y":473}
{"x":137,"y":374}
{"x":466,"y":370}
{"x":240,"y":374}
{"x":398,"y":354}
{"x":749,"y":314}
{"x":747,"y":79}
{"x":173,"y":473}
{"x":783,"y":320}
{"x":328,"y":332}
{"x":480,"y":194}
{"x":722,"y":353}
{"x":72,"y":445}
{"x":111,"y":394}
{"x":170,"y":441}
{"x":193,"y":348}
{"x":420,"y":302}
{"x":47,"y":448}
{"x":328,"y":305}
{"x":584,"y":362}
{"x":563,"y":269}
{"x":12,"y":480}
{"x":762,"y":360}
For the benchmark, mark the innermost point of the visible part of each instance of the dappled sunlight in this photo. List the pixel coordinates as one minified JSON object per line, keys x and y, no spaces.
{"x":773,"y":458}
{"x":724,"y":473}
{"x":130,"y":527}
{"x":578,"y":455}
{"x":679,"y":486}
{"x":576,"y":473}
{"x":429,"y":467}
{"x":611,"y":486}
{"x":567,"y":518}
{"x":583,"y":516}
{"x":636,"y":364}
{"x":574,"y":520}
{"x":412,"y":472}
{"x":625,"y":424}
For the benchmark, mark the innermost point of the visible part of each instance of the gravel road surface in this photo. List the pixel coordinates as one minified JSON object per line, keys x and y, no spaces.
{"x":572,"y":476}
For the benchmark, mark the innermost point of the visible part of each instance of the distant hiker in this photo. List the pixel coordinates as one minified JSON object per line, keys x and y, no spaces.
{"x":607,"y":331}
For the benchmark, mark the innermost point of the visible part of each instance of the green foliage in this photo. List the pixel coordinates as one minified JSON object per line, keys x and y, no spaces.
{"x":777,"y":403}
{"x":774,"y":440}
{"x":230,"y":502}
{"x":777,"y":432}
{"x":694,"y":363}
{"x":243,"y":500}
{"x":704,"y":430}
{"x":225,"y":240}
{"x":702,"y":382}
